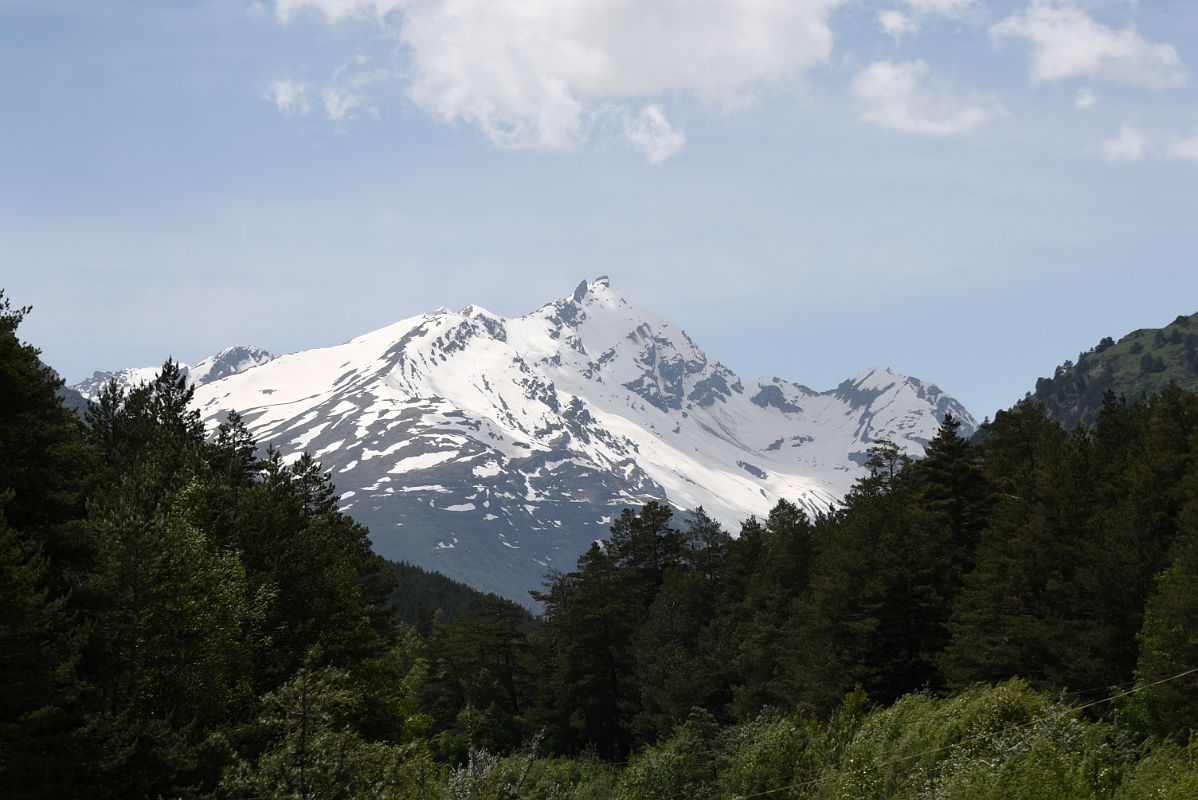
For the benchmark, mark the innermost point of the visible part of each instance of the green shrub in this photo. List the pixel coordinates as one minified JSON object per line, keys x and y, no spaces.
{"x":1165,"y":772}
{"x":1005,"y":742}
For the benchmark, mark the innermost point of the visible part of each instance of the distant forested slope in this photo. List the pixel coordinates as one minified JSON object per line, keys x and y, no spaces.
{"x":1142,"y":362}
{"x":420,"y":593}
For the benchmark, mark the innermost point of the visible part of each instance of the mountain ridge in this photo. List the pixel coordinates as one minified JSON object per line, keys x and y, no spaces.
{"x":230,"y":361}
{"x":494,"y":449}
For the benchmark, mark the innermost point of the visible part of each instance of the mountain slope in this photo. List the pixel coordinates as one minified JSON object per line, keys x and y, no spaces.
{"x":495,"y":449}
{"x":1142,"y":362}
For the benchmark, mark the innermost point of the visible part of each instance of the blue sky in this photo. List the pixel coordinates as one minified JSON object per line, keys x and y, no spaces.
{"x":966,"y":191}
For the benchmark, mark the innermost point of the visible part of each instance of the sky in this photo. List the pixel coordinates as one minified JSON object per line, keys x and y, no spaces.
{"x":968,"y":191}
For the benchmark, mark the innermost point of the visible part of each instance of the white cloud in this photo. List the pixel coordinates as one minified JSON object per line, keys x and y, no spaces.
{"x":1185,"y":149}
{"x":893,"y":95}
{"x":1085,"y":98}
{"x":1068,"y":43}
{"x":946,"y":8}
{"x":897,"y":24}
{"x":291,"y":97}
{"x":1128,"y":145}
{"x":653,"y":135}
{"x":534,"y":73}
{"x":339,"y":102}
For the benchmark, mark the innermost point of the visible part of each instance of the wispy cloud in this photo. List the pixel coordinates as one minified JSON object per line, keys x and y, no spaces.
{"x":339,"y":102}
{"x":895,"y":95}
{"x":1085,"y":98}
{"x":1068,"y":43}
{"x":1184,"y":148}
{"x":290,"y":97}
{"x":897,"y":24}
{"x":1128,"y":145}
{"x":900,"y":23}
{"x":653,"y":135}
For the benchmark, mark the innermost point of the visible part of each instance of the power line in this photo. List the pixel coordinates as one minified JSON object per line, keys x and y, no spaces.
{"x":990,"y":734}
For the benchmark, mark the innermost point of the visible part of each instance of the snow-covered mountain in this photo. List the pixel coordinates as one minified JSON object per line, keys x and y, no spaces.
{"x":495,"y":449}
{"x":229,"y":361}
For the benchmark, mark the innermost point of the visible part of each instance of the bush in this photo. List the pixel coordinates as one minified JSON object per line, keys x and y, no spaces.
{"x":1166,"y":772}
{"x":1005,"y":742}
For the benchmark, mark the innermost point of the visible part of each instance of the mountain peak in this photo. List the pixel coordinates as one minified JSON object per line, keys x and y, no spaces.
{"x":473,"y":310}
{"x":496,"y":448}
{"x":876,"y":378}
{"x":600,"y":286}
{"x":230,"y":361}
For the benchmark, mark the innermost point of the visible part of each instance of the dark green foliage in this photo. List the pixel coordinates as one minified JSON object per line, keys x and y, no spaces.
{"x":157,"y":583}
{"x":418,"y":594}
{"x":40,"y":743}
{"x":44,"y":463}
{"x":881,"y":591}
{"x":1170,"y":633}
{"x":315,"y":751}
{"x":478,"y":680}
{"x":1080,"y":527}
{"x":590,"y":694}
{"x":43,"y":466}
{"x":1016,"y":613}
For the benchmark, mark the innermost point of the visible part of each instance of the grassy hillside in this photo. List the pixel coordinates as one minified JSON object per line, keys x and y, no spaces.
{"x":1142,"y":362}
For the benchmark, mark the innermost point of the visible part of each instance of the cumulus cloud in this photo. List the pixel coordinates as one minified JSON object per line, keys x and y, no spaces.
{"x":291,"y":97}
{"x":897,"y":24}
{"x":1128,"y":145}
{"x":1185,"y":149}
{"x":895,"y":95}
{"x":535,"y":73}
{"x":1066,"y":42}
{"x":1085,"y":98}
{"x":653,"y":135}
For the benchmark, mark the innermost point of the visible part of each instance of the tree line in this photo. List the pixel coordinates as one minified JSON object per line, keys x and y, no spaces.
{"x":183,"y":615}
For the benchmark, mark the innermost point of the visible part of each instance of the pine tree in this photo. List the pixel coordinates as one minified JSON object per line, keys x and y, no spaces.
{"x":1170,"y":633}
{"x":314,"y":751}
{"x":172,"y":617}
{"x":43,"y":463}
{"x":952,"y":487}
{"x":880,"y":593}
{"x":43,"y":466}
{"x":590,"y":616}
{"x":759,"y":609}
{"x":479,"y":675}
{"x":1020,"y":611}
{"x":41,"y":750}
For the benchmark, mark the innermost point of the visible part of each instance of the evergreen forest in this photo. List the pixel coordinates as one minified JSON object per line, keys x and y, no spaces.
{"x":185,"y":615}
